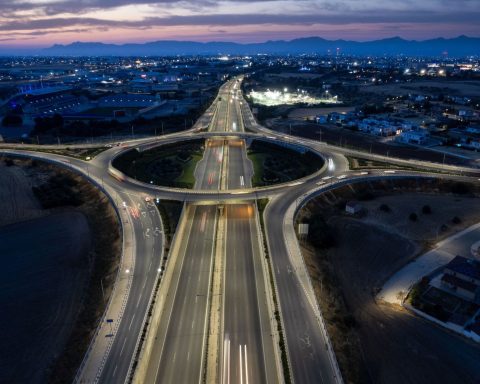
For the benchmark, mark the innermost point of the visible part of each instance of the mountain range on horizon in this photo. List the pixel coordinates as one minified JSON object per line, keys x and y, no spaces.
{"x":455,"y":47}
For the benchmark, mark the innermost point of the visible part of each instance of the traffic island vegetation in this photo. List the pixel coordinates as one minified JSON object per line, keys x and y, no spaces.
{"x":58,"y":189}
{"x":170,"y":165}
{"x":349,"y":256}
{"x":274,"y":164}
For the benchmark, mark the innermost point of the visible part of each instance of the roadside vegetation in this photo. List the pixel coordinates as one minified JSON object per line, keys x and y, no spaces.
{"x":274,"y":164}
{"x":171,"y":165}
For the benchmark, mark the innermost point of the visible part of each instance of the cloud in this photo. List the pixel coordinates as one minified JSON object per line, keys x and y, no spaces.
{"x":229,"y":20}
{"x":42,"y":17}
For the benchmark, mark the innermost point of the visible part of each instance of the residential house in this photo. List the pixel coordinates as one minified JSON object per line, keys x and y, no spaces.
{"x":461,"y":276}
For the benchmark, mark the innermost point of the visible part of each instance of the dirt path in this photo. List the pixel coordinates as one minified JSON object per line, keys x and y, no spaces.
{"x":394,"y":345}
{"x":397,"y":347}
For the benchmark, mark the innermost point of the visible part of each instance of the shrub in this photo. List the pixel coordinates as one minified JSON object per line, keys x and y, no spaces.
{"x":426,"y":210}
{"x":320,"y":234}
{"x":384,"y":208}
{"x":413,"y":216}
{"x":456,"y":220}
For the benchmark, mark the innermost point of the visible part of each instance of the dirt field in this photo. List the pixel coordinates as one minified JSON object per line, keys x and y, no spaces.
{"x":17,"y":201}
{"x":304,"y":113}
{"x":454,"y":88}
{"x":375,"y":342}
{"x":44,"y":267}
{"x":50,"y":259}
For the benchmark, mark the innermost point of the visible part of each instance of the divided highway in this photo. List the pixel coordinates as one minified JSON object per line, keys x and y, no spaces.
{"x":247,"y":351}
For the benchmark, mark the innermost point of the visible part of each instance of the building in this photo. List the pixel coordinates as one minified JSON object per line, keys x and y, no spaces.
{"x":353,"y":207}
{"x":414,"y":137}
{"x":127,"y":100}
{"x":461,"y":277}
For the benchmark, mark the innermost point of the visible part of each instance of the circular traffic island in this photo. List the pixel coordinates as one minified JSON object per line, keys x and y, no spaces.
{"x":281,"y":162}
{"x":169,"y":165}
{"x":267,"y":162}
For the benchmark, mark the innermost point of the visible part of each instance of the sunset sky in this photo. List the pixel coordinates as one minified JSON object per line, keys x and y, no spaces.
{"x":45,"y":22}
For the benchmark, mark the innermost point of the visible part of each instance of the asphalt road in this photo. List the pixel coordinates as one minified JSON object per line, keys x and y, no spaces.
{"x":148,"y":249}
{"x":178,"y":354}
{"x":248,"y":350}
{"x":308,"y":357}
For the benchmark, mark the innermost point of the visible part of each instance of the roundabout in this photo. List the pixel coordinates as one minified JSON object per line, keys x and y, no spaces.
{"x":218,"y":220}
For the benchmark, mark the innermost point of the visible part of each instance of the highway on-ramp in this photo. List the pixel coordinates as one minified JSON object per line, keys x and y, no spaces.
{"x":247,"y":345}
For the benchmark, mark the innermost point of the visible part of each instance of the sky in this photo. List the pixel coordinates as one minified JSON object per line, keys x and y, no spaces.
{"x":40,"y":23}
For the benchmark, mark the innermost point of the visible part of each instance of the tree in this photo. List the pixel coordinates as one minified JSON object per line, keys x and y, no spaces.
{"x":12,"y":120}
{"x":456,"y":220}
{"x":384,"y":208}
{"x":320,"y":234}
{"x":426,"y":210}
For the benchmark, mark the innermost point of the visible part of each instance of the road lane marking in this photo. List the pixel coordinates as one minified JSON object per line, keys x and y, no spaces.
{"x":226,"y":362}
{"x":123,"y":346}
{"x":241,"y":365}
{"x":203,"y":222}
{"x":246,"y":365}
{"x":131,"y":321}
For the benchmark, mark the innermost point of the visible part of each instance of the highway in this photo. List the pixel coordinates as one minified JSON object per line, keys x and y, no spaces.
{"x":149,"y":249}
{"x":247,"y":351}
{"x":178,"y":355}
{"x":248,"y":354}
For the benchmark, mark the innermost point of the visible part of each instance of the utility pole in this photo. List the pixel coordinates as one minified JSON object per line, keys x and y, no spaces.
{"x":133,"y":135}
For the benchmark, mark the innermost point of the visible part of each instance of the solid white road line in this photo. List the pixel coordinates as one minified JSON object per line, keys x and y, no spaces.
{"x":246,"y":365}
{"x":123,"y":346}
{"x":131,"y":322}
{"x":241,"y":365}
